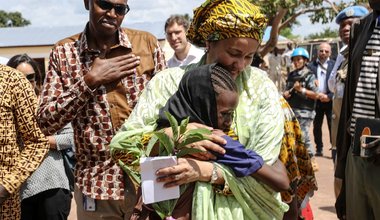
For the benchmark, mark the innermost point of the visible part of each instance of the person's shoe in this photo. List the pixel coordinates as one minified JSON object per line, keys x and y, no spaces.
{"x":319,"y":154}
{"x":314,"y":164}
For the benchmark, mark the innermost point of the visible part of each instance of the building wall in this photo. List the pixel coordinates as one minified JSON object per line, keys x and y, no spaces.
{"x":39,"y":53}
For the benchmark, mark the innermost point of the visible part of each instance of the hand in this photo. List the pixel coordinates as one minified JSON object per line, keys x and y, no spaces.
{"x":206,"y":146}
{"x":4,"y":194}
{"x":340,"y":203}
{"x":286,"y":94}
{"x":323,"y":97}
{"x":52,"y":142}
{"x":104,"y":71}
{"x":218,"y":132}
{"x":213,"y":143}
{"x":297,"y":86}
{"x":316,"y":82}
{"x":186,"y":171}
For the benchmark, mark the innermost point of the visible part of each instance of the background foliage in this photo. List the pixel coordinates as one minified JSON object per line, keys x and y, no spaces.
{"x":282,"y":15}
{"x":12,"y":19}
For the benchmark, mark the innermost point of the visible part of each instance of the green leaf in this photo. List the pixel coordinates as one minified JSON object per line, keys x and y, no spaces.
{"x":157,"y":208}
{"x":134,"y":175}
{"x":128,"y":143}
{"x":186,"y":151}
{"x":203,"y":131}
{"x":165,"y":208}
{"x":166,"y":142}
{"x":189,"y":139}
{"x":153,"y":140}
{"x":173,"y":124}
{"x":183,"y":126}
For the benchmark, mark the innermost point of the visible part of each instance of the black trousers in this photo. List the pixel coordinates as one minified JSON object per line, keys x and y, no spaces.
{"x":321,"y":109}
{"x":53,"y":204}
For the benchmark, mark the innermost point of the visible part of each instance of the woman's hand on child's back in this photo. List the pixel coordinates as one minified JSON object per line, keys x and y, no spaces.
{"x":218,"y":132}
{"x":213,"y":143}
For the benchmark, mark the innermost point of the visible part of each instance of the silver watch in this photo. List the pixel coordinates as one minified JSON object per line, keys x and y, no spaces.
{"x":214,"y":174}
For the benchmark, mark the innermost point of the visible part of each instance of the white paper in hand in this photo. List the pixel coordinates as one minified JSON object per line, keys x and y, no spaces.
{"x":153,"y":191}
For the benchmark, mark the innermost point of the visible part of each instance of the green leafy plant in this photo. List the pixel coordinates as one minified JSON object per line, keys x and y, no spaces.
{"x":132,"y":149}
{"x":175,"y":146}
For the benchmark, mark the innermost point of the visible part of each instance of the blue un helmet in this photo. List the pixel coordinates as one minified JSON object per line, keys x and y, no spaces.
{"x":300,"y":52}
{"x":356,"y":11}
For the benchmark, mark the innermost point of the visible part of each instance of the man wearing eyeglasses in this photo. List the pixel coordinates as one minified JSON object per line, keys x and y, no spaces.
{"x":322,"y":68}
{"x":93,"y":80}
{"x":184,"y":53}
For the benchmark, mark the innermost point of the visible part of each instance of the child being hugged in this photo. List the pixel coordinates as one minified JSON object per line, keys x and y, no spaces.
{"x":208,"y":95}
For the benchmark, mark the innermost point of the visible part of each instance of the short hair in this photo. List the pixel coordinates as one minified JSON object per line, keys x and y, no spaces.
{"x":24,"y":58}
{"x":326,"y":43}
{"x":179,"y":19}
{"x":221,"y":80}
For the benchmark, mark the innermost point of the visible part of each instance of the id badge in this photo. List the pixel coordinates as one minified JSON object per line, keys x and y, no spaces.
{"x":89,"y":204}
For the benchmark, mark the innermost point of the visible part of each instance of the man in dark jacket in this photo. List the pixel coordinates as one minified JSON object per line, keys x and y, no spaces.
{"x":338,"y":76}
{"x":321,"y":67}
{"x":361,"y":181}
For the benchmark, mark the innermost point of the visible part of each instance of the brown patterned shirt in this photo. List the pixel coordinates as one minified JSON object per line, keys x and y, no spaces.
{"x":96,"y":115}
{"x":17,"y":119}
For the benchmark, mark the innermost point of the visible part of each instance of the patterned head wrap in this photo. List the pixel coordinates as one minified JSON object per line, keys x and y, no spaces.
{"x":222,"y":19}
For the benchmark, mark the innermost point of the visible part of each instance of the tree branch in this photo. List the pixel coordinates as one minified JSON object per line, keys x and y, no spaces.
{"x":333,"y":6}
{"x":272,"y":42}
{"x":298,"y":13}
{"x":277,"y":25}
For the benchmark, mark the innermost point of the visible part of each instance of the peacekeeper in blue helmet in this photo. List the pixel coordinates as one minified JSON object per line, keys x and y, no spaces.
{"x":301,"y":92}
{"x":350,"y":12}
{"x":336,"y":83}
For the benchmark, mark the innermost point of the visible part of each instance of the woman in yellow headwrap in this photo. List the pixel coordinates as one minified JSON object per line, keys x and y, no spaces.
{"x":230,"y":31}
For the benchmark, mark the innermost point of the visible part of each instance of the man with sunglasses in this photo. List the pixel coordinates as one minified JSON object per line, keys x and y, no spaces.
{"x":322,"y":68}
{"x":93,"y":81}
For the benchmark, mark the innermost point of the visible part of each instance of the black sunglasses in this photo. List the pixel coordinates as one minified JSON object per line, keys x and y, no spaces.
{"x":31,"y":77}
{"x":119,"y":8}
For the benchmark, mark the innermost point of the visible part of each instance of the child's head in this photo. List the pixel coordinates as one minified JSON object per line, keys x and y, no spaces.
{"x":226,"y":96}
{"x":207,"y":94}
{"x":299,"y":57}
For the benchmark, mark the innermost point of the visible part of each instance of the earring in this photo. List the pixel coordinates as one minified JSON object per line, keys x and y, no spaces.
{"x":206,"y":49}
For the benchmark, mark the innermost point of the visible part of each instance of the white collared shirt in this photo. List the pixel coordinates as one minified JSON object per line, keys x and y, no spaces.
{"x":322,"y":73}
{"x":194,"y":55}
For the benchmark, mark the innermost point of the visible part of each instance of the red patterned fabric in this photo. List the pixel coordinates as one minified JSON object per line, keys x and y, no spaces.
{"x":96,"y":115}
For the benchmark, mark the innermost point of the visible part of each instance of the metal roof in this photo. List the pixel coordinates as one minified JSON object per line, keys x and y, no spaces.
{"x":46,"y":35}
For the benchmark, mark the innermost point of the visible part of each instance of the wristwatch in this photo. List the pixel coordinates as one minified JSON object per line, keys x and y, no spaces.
{"x":214,"y":174}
